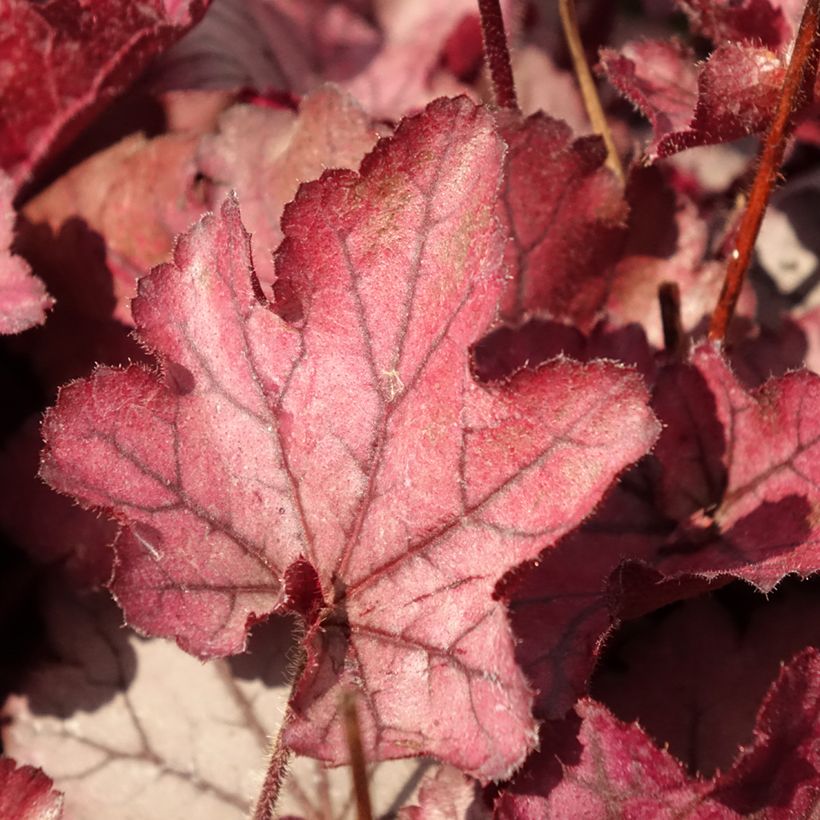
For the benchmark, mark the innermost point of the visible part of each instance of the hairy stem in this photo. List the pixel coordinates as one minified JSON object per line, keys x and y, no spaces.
{"x":589,"y":92}
{"x":275,"y":775}
{"x":497,"y":54}
{"x":802,"y":67}
{"x":364,"y":810}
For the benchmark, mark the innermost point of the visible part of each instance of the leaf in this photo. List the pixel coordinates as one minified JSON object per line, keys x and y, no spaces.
{"x":64,"y":60}
{"x":350,"y":455}
{"x":779,"y":773}
{"x":26,"y":793}
{"x":667,"y":242}
{"x":446,"y":793}
{"x":613,"y":771}
{"x":731,"y":95}
{"x":135,"y":728}
{"x":136,"y":195}
{"x":264,"y":155}
{"x":392,"y":57}
{"x":23,"y":298}
{"x":730,"y":492}
{"x":694,"y":675}
{"x":765,"y":22}
{"x":565,"y":214}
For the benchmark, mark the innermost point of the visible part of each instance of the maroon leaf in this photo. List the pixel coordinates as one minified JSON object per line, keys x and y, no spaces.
{"x":613,"y":771}
{"x":694,"y":676}
{"x":23,"y":299}
{"x":509,"y":348}
{"x":26,"y":793}
{"x":354,"y":441}
{"x":565,"y":214}
{"x":64,"y":60}
{"x":264,"y":155}
{"x":765,"y":513}
{"x":60,"y":532}
{"x":779,"y":774}
{"x":559,"y":606}
{"x":730,"y":492}
{"x":731,"y":95}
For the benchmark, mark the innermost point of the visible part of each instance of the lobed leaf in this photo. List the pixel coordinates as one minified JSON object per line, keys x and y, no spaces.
{"x":345,"y":464}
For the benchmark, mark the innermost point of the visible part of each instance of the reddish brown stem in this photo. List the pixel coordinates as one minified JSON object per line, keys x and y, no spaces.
{"x":497,"y":54}
{"x":803,"y":66}
{"x":364,"y":810}
{"x":275,"y":775}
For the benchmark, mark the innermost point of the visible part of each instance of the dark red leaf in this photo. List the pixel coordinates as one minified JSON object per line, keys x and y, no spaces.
{"x":611,"y":770}
{"x":565,"y":214}
{"x":779,"y":774}
{"x":730,"y":492}
{"x":46,"y":525}
{"x":356,"y":439}
{"x":64,"y":60}
{"x":694,"y":675}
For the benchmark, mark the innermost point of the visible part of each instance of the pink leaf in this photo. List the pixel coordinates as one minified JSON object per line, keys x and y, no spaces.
{"x":23,"y":299}
{"x":447,"y":793}
{"x":64,"y":60}
{"x":27,"y":794}
{"x":265,"y":154}
{"x":349,"y":455}
{"x":137,"y":195}
{"x":387,"y":55}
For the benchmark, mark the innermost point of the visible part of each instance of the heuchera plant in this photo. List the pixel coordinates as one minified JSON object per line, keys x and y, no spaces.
{"x":478,"y":403}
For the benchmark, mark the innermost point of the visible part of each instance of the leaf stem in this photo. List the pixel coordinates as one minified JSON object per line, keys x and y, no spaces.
{"x":497,"y":54}
{"x":275,"y":775}
{"x":803,"y":61}
{"x":589,"y":91}
{"x":364,"y":810}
